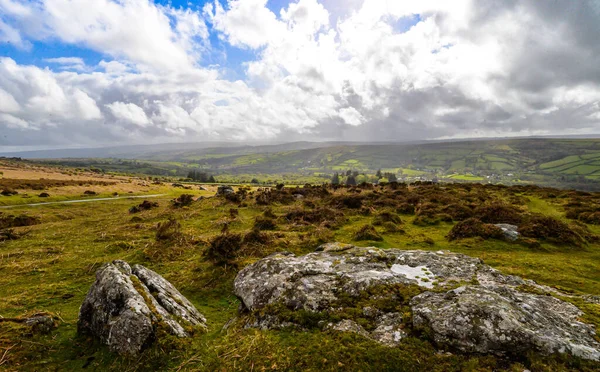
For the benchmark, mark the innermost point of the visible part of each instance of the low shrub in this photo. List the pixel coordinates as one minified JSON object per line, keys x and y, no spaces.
{"x":168,"y":230}
{"x":11,"y":234}
{"x":367,"y":232}
{"x":425,"y":220}
{"x":183,"y":200}
{"x":458,"y":212}
{"x":9,"y":221}
{"x":316,"y":216}
{"x":499,"y":213}
{"x":391,"y":227}
{"x":406,"y":208}
{"x":9,"y":192}
{"x":347,"y":201}
{"x":256,"y":237}
{"x":269,"y":213}
{"x":552,"y":230}
{"x":224,"y":248}
{"x":270,"y":196}
{"x":386,"y":216}
{"x":264,"y":223}
{"x":143,"y":206}
{"x":474,"y":227}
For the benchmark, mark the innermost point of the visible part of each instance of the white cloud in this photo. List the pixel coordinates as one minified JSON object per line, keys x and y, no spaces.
{"x":8,"y":102}
{"x":68,"y":63}
{"x":134,"y":30}
{"x":246,"y":23}
{"x":13,"y":122}
{"x":130,"y":112}
{"x":375,"y":69}
{"x":114,"y":67}
{"x":10,"y":35}
{"x":351,"y":116}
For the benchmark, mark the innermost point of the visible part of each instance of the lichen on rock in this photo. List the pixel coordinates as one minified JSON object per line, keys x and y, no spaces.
{"x":467,"y":305}
{"x":501,"y":320}
{"x":127,"y":307}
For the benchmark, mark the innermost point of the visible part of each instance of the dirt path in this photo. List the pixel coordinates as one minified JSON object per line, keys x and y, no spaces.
{"x":81,"y":201}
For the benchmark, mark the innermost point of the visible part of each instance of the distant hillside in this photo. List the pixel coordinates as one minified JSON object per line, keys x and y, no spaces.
{"x":549,"y":161}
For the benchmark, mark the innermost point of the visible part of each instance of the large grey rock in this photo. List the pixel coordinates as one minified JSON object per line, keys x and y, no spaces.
{"x":127,"y":306}
{"x":510,"y":231}
{"x":501,"y":320}
{"x":310,"y":282}
{"x":327,"y":282}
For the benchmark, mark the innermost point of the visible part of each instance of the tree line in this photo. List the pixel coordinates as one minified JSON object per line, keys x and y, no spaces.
{"x":200,"y":176}
{"x":353,"y":178}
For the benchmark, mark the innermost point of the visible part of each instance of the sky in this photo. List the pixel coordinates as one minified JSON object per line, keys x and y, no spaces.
{"x":87,"y":73}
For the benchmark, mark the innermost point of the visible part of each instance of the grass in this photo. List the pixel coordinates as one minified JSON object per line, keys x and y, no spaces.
{"x":466,"y":177}
{"x":52,"y":268}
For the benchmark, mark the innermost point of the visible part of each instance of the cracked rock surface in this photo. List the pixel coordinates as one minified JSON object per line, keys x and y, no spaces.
{"x":484,"y":312}
{"x":127,"y":306}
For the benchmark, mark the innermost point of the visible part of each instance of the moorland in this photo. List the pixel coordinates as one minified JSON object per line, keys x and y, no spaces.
{"x":199,"y":241}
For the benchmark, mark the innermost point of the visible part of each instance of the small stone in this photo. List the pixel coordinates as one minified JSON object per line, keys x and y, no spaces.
{"x":224,"y":189}
{"x":41,"y":323}
{"x":510,"y":231}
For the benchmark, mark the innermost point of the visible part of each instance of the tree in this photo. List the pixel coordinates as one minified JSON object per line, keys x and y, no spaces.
{"x":335,"y":180}
{"x":378,"y":174}
{"x":351,"y":180}
{"x":199,"y":176}
{"x":390,"y":177}
{"x":254,"y":180}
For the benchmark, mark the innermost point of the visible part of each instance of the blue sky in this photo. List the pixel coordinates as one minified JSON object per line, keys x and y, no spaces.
{"x":168,"y":71}
{"x":230,"y":59}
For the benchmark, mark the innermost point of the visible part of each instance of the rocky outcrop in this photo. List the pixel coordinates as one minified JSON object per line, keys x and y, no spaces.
{"x":501,"y":320}
{"x":510,"y":231}
{"x":468,"y":305}
{"x":127,"y":308}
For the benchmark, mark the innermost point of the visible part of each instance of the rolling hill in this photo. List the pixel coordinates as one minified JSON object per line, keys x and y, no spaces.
{"x":548,"y":161}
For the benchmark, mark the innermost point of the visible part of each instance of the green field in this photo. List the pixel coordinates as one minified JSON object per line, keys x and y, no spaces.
{"x":553,"y":162}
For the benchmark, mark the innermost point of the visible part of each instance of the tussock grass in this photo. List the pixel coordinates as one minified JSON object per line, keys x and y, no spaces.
{"x":52,"y":268}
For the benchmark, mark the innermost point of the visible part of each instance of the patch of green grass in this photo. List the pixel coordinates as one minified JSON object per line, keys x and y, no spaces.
{"x":466,"y":177}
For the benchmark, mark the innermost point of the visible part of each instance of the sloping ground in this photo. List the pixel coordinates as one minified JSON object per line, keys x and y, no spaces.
{"x":554,"y":162}
{"x":200,"y":249}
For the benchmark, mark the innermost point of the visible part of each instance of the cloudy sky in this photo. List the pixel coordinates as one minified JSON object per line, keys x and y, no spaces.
{"x":105,"y":72}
